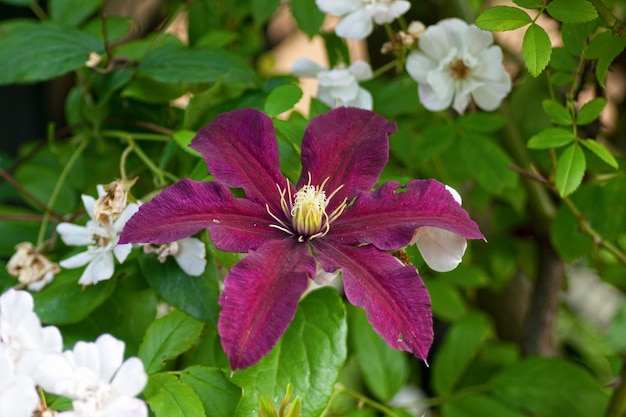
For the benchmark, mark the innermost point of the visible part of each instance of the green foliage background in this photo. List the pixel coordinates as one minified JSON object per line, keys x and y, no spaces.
{"x":543,"y":176}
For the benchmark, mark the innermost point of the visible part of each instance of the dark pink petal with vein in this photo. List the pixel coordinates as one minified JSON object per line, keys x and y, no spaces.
{"x":189,"y":206}
{"x":392,"y":294}
{"x":260,"y":297}
{"x":350,"y":146}
{"x":241,"y":151}
{"x":388,"y":216}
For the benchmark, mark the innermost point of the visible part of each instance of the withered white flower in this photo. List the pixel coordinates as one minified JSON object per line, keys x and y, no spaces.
{"x":359,"y":16}
{"x":455,"y":63}
{"x":338,"y":86}
{"x":101,"y":239}
{"x":31,"y":268}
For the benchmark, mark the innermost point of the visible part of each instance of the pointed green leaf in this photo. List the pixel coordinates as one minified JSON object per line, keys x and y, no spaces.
{"x":183,"y":138}
{"x":529,"y":4}
{"x":536,"y":49}
{"x":72,"y":12}
{"x":502,"y":18}
{"x":479,"y":405}
{"x":575,"y":35}
{"x":460,"y":346}
{"x":64,"y":301}
{"x":384,"y":369}
{"x":546,"y":387}
{"x":167,"y":396}
{"x":557,"y":112}
{"x":177,"y":64}
{"x":447,"y":302}
{"x":168,"y":337}
{"x":309,"y":355}
{"x":308,"y":16}
{"x":605,"y":47}
{"x":44,"y":51}
{"x":570,"y":169}
{"x":217,"y":393}
{"x":590,"y":111}
{"x":281,"y":99}
{"x":197,"y":296}
{"x":572,"y":11}
{"x":262,"y":10}
{"x":600,"y":151}
{"x":552,"y":137}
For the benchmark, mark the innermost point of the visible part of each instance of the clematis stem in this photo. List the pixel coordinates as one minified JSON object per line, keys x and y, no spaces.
{"x":28,"y":195}
{"x":138,"y":136}
{"x":616,"y":25}
{"x":161,"y":175}
{"x":57,"y":188}
{"x":38,"y":11}
{"x":340,"y":388}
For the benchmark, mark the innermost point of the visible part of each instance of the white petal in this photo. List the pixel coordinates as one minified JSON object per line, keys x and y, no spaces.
{"x":336,"y":78}
{"x":338,"y":7}
{"x":489,"y":65}
{"x":191,"y":256}
{"x":461,"y":101}
{"x":363,"y":100}
{"x":74,"y":235}
{"x":383,"y":12}
{"x":455,"y":194}
{"x":125,"y":215}
{"x":356,"y":25}
{"x":443,"y":87}
{"x":86,"y":355}
{"x":99,"y":269}
{"x":343,"y":94}
{"x":19,"y":398}
{"x":322,"y":277}
{"x":88,"y":202}
{"x":431,"y":100}
{"x":78,"y":260}
{"x":419,"y":65}
{"x":456,"y":32}
{"x":441,"y":249}
{"x":111,"y":352}
{"x":126,"y":407}
{"x":434,"y":43}
{"x":400,"y":7}
{"x":131,"y":378}
{"x":304,"y":67}
{"x":361,"y":70}
{"x":477,"y":40}
{"x":122,"y":251}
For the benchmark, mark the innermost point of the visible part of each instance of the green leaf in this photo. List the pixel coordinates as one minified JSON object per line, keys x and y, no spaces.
{"x":557,"y":112}
{"x":488,"y":163}
{"x":281,"y":99}
{"x":196,"y":296}
{"x":465,"y":276}
{"x":308,"y":16}
{"x":529,"y":4}
{"x":590,"y":111}
{"x":167,"y":396}
{"x":562,"y":60}
{"x":336,"y":49}
{"x":572,"y":11}
{"x":64,"y":301}
{"x":478,"y":406}
{"x":536,"y":49}
{"x":183,"y":139}
{"x":481,"y":122}
{"x":176,"y":64}
{"x":605,"y":47}
{"x":384,"y":369}
{"x":447,"y":303}
{"x":575,"y":35}
{"x":600,"y":151}
{"x":570,"y":169}
{"x":460,"y":346}
{"x":151,"y":91}
{"x":262,"y":10}
{"x":546,"y":387}
{"x":217,"y":393}
{"x":552,"y":137}
{"x":566,"y":238}
{"x":309,"y":355}
{"x":502,"y":18}
{"x":168,"y":337}
{"x":44,"y":51}
{"x":72,"y":12}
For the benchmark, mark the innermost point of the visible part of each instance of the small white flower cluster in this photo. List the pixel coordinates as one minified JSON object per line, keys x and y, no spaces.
{"x":107,"y":217}
{"x":93,"y":375}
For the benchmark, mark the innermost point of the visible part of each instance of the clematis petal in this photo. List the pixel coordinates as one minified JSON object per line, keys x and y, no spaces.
{"x":392,"y":294}
{"x":260,"y":297}
{"x":356,"y":25}
{"x":185,"y":208}
{"x":441,"y":249}
{"x":347,"y":146}
{"x":241,"y":151}
{"x":388,"y":216}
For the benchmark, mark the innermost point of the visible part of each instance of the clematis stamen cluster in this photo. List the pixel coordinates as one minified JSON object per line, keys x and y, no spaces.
{"x":333,"y":222}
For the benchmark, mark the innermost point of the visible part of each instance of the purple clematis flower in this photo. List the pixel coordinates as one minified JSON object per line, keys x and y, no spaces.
{"x":329,"y":219}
